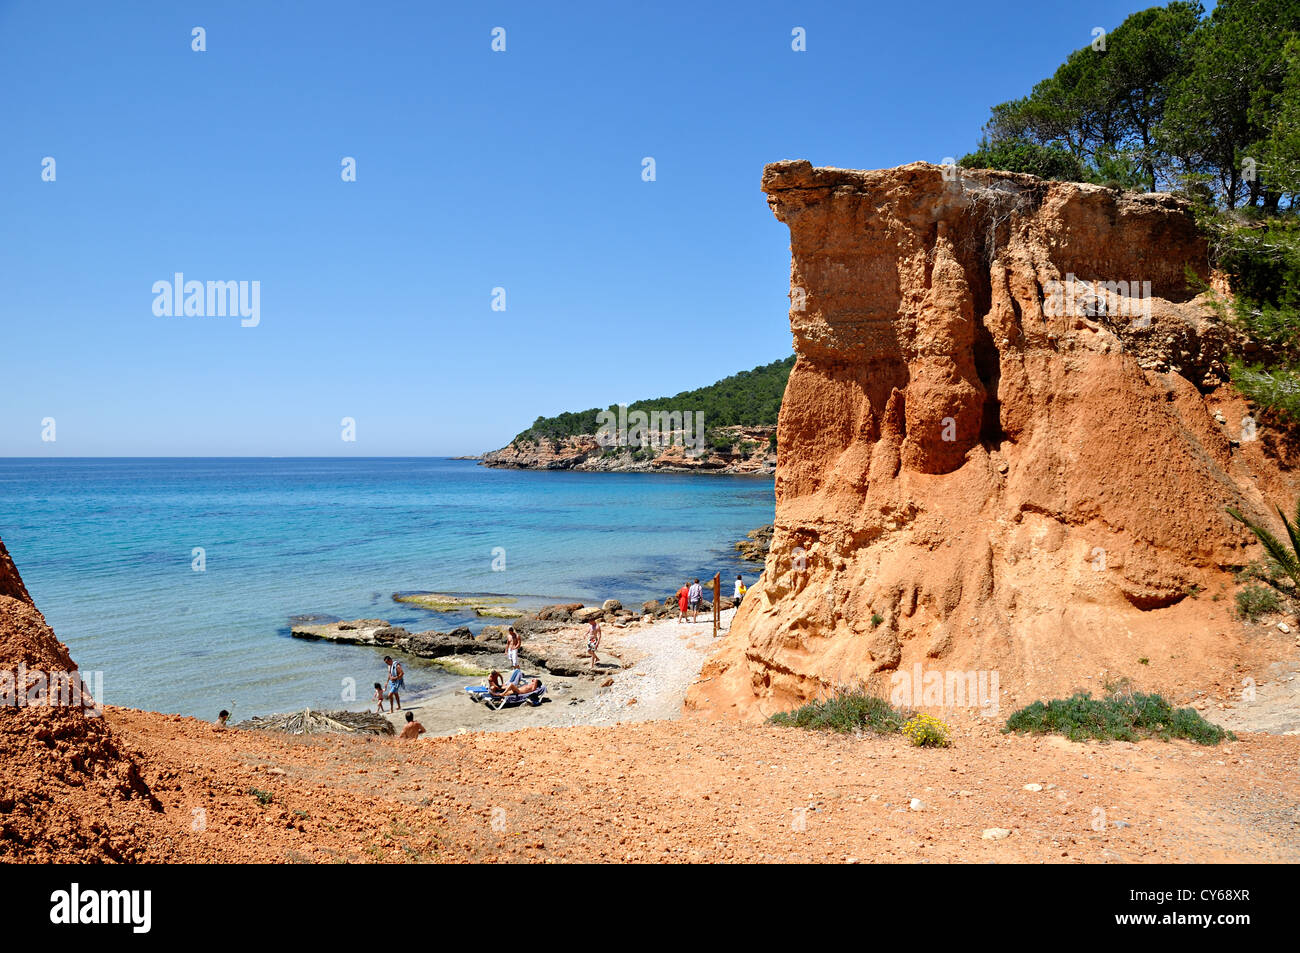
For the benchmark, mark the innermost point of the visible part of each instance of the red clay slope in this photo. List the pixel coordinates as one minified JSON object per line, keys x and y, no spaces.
{"x":68,"y":791}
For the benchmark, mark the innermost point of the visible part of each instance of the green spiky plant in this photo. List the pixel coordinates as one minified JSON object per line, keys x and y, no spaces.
{"x":1286,"y":558}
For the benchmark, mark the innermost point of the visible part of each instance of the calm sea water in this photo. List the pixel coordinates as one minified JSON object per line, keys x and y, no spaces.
{"x":106,"y":549}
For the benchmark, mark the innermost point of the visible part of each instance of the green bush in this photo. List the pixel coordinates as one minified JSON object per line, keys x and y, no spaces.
{"x":846,"y":713}
{"x":1255,"y":601}
{"x":1046,"y":162}
{"x":1261,"y":571}
{"x":1262,"y":258}
{"x":1119,"y":717}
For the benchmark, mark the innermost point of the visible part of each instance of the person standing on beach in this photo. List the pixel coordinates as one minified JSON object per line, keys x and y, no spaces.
{"x":740,"y":590}
{"x":693,"y":596}
{"x":682,"y":595}
{"x":513,"y":643}
{"x":593,"y":642}
{"x":396,"y":682}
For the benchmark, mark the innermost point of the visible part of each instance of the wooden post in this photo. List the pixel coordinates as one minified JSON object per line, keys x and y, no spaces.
{"x":717,"y":594}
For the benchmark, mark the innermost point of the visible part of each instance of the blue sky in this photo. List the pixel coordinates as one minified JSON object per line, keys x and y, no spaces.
{"x":475,"y":170}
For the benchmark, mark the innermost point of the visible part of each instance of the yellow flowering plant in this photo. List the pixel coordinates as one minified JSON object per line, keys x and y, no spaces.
{"x":926,"y":731}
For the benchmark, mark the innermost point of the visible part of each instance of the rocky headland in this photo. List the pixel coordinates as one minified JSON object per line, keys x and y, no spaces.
{"x":731,"y":450}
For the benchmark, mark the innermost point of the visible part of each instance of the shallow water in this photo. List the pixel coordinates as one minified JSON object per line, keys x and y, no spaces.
{"x":106,"y":548}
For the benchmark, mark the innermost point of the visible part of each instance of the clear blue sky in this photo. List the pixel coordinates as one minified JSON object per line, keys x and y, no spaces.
{"x":475,"y":170}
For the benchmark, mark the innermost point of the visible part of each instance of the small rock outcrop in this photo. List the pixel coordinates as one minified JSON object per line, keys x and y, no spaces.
{"x":756,"y":544}
{"x":356,"y":632}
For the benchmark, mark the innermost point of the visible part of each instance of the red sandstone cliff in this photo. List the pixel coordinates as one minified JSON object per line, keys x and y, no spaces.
{"x":979,"y":475}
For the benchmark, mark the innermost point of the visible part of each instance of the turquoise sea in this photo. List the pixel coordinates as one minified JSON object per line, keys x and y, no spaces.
{"x":106,"y":547}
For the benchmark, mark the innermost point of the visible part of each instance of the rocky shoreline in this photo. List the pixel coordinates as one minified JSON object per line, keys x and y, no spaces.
{"x":757,"y":544}
{"x":731,"y":450}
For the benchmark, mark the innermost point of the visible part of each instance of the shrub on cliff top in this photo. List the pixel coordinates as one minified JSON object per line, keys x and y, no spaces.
{"x":1046,"y":162}
{"x":1123,"y":716}
{"x":846,"y":713}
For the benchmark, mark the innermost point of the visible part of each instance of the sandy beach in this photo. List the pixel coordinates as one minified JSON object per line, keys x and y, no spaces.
{"x":649,"y":667}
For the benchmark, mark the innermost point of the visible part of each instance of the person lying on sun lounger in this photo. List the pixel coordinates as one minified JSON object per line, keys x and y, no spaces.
{"x":521,"y":688}
{"x":498,"y":689}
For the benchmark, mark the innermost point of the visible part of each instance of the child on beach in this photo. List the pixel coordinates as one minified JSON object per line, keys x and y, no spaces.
{"x":593,"y":643}
{"x":379,"y":698}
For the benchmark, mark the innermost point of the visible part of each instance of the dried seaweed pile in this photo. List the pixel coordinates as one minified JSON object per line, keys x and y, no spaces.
{"x":308,"y":722}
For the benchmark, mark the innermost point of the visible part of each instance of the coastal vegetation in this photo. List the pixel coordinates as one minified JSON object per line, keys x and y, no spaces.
{"x":1206,"y":106}
{"x":845,"y":712}
{"x":1169,"y":99}
{"x":1255,"y":600}
{"x":926,"y":731}
{"x":1122,"y":715}
{"x":852,"y":711}
{"x":749,"y":398}
{"x":1273,"y":584}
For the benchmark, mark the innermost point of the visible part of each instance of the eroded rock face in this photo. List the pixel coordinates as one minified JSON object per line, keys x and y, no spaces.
{"x":984,"y":462}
